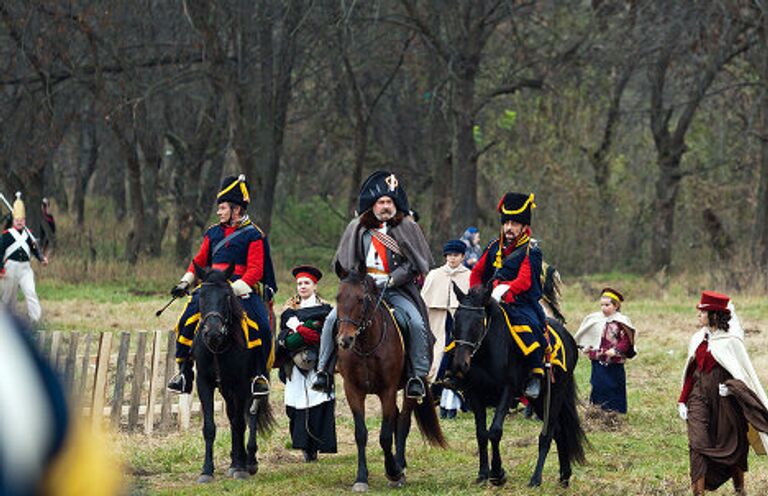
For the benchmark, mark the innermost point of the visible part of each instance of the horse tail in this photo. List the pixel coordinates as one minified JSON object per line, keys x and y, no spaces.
{"x":551,"y":290}
{"x":426,"y":419}
{"x":264,"y":418}
{"x":573,"y":436}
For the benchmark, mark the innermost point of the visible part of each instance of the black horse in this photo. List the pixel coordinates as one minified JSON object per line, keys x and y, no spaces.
{"x":491,"y":372}
{"x":225,"y":362}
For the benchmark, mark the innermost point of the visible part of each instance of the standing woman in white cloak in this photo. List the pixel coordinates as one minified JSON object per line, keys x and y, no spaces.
{"x":722,"y":399}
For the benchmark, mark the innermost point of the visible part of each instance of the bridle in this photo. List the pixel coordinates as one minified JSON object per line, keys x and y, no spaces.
{"x":367,"y":317}
{"x":225,"y":322}
{"x":365,"y":321}
{"x":474,"y":345}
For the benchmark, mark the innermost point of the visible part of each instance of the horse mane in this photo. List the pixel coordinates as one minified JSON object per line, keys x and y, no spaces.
{"x":234,"y":308}
{"x":551,"y":291}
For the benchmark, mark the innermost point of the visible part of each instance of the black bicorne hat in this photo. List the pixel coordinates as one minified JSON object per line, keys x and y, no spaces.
{"x":378,"y":184}
{"x":234,"y":190}
{"x":516,"y":207}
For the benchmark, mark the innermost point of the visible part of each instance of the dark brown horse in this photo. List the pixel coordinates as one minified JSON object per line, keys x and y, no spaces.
{"x":372,"y":361}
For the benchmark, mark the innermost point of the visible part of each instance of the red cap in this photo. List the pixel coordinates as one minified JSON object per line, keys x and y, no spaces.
{"x":712,"y":301}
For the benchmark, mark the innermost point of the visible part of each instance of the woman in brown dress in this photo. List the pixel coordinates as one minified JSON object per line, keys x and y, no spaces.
{"x":722,"y":399}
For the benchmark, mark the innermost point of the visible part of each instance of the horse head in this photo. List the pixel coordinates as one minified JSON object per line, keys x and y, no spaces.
{"x":469,"y":327}
{"x":354,"y":305}
{"x":220,"y":310}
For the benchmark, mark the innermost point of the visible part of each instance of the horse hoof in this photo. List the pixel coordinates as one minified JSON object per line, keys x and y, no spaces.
{"x":565,"y":482}
{"x":241,"y":475}
{"x":499,"y":481}
{"x":204,"y":479}
{"x":534,"y":482}
{"x":253,"y":469}
{"x":397,"y":484}
{"x":360,"y":487}
{"x":481,"y":480}
{"x":231,"y":471}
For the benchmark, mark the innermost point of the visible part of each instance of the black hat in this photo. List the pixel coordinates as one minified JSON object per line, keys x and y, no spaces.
{"x":234,"y":190}
{"x":307,"y":271}
{"x":516,"y":207}
{"x":454,"y":246}
{"x":378,"y":184}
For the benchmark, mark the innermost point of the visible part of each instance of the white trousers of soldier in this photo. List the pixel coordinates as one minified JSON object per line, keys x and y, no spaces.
{"x":20,"y":275}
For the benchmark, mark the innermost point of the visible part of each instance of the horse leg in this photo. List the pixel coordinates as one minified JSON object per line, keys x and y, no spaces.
{"x":403,"y":429}
{"x":386,"y":436}
{"x":481,"y":433}
{"x":236,"y":409}
{"x":497,"y":476}
{"x":563,"y":457}
{"x":205,"y":393}
{"x":356,"y":402}
{"x":251,"y":463}
{"x":545,"y":438}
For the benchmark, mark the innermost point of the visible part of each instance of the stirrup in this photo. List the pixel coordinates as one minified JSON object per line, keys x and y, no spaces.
{"x":533,"y":388}
{"x":416,"y":383}
{"x":178,"y":384}
{"x":260,"y":386}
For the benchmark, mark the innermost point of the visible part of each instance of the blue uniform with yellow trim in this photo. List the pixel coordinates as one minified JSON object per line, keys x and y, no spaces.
{"x":256,"y":324}
{"x":525,"y":317}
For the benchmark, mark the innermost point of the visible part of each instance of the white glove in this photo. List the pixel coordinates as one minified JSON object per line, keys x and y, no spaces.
{"x":723,"y":390}
{"x":293,"y":323}
{"x":188,"y":277}
{"x":241,"y":288}
{"x":682,"y":410}
{"x":499,"y":291}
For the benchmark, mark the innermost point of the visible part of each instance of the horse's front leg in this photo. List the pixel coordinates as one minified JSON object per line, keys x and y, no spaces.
{"x":356,"y":401}
{"x":498,"y":477}
{"x":481,"y":433}
{"x":205,"y":393}
{"x":236,"y":411}
{"x":386,"y":436}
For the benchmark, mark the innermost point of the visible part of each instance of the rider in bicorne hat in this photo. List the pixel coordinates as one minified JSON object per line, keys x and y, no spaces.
{"x":389,"y":244}
{"x":234,"y":240}
{"x":512,"y":265}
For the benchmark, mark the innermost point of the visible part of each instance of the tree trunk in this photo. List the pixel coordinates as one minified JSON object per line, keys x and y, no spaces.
{"x":760,"y":229}
{"x":667,"y":187}
{"x":88,"y":152}
{"x":464,"y":173}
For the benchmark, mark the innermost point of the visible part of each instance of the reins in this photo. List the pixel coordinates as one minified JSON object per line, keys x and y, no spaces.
{"x":365,"y":322}
{"x":225,"y":322}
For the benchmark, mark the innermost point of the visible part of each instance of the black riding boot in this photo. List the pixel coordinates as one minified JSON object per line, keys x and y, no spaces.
{"x":323,"y":382}
{"x":182,"y":382}
{"x":415,"y":388}
{"x":533,"y":388}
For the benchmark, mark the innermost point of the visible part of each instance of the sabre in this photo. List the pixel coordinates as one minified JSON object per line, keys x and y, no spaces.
{"x":10,"y":209}
{"x":157,"y":314}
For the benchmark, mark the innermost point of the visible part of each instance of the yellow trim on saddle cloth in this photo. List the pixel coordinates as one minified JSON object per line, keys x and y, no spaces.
{"x":516,"y":330}
{"x":397,"y":326}
{"x":450,"y":347}
{"x":555,"y":355}
{"x":245,"y":324}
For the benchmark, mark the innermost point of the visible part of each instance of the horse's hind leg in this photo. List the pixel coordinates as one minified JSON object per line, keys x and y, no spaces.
{"x":563,"y":457}
{"x":497,"y":476}
{"x":401,"y":435}
{"x":251,"y":463}
{"x":356,"y":402}
{"x":545,"y":438}
{"x":205,"y":393}
{"x":387,"y":434}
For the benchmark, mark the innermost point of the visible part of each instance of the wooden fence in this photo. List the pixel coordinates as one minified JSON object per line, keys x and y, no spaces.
{"x":121,"y":377}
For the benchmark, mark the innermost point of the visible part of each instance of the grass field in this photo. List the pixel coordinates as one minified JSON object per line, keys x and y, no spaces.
{"x":644,"y":453}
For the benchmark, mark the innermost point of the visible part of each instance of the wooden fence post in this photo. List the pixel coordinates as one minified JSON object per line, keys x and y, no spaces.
{"x":138,"y":380}
{"x":53,"y":357}
{"x":122,"y":364}
{"x":85,"y":365}
{"x":170,"y":360}
{"x":69,"y":363}
{"x":99,"y":388}
{"x":154,"y":379}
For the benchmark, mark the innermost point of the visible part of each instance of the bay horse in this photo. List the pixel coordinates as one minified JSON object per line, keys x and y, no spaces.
{"x":371,"y":359}
{"x":225,"y":362}
{"x":491,"y":372}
